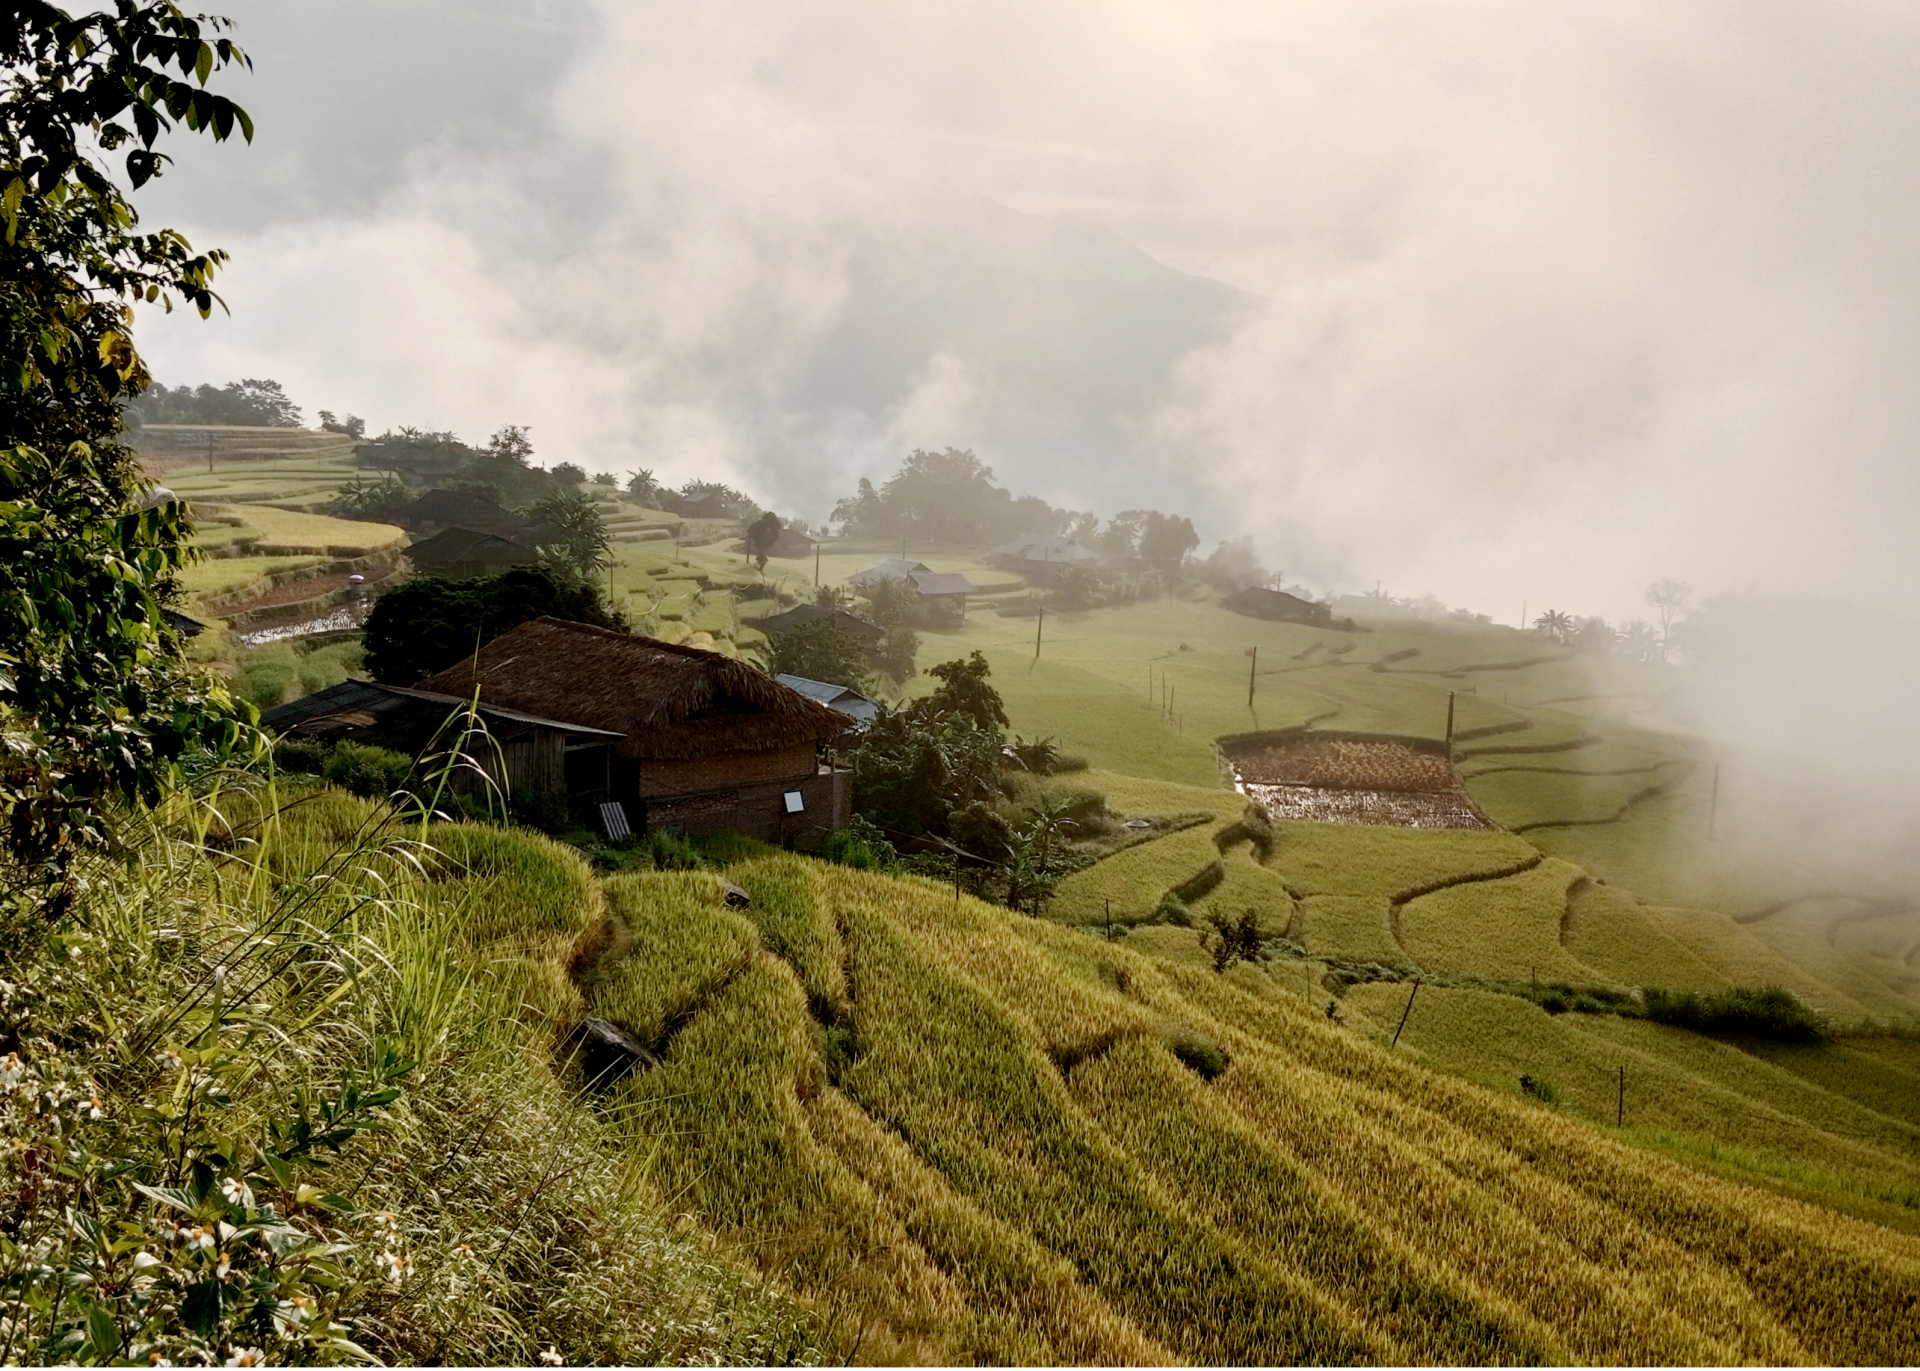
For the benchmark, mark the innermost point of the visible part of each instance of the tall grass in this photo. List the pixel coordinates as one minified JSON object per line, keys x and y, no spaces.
{"x":244,"y":965}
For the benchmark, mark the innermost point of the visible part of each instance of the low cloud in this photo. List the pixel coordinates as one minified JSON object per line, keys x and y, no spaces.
{"x":1480,"y":299}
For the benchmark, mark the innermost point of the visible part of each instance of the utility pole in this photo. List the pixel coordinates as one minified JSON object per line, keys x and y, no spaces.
{"x":1449,"y":725}
{"x":1713,"y":805}
{"x":816,"y":563}
{"x":1251,"y":669}
{"x":1403,"y":1014}
{"x":1523,"y":616}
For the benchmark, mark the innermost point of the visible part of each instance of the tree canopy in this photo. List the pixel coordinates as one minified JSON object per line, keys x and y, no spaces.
{"x":943,"y":497}
{"x":821,"y":652}
{"x":429,"y":624}
{"x":251,"y":401}
{"x":96,"y":702}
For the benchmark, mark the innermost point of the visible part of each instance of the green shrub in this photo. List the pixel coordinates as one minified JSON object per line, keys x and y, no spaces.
{"x":1541,"y":1089}
{"x":1204,"y":1057}
{"x":1081,"y":802}
{"x":366,"y":770}
{"x":1768,"y":1011}
{"x":849,"y":849}
{"x":726,"y":847}
{"x":665,"y":852}
{"x":300,"y":755}
{"x":1172,"y":910}
{"x":265,"y":684}
{"x":540,"y":809}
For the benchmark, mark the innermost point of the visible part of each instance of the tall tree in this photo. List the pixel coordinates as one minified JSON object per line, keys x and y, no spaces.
{"x":763,"y":535}
{"x":430,"y":623}
{"x":96,"y":702}
{"x":1166,"y":539}
{"x":1669,"y":598}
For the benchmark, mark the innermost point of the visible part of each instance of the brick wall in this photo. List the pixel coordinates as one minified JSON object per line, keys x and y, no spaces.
{"x":724,"y":771}
{"x":759,"y":811}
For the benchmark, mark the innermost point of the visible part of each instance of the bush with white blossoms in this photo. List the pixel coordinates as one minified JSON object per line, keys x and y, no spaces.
{"x":149,"y":1231}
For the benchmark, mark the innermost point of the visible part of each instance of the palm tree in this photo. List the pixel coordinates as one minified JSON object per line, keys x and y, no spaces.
{"x":1555,"y":625}
{"x":642,"y":487}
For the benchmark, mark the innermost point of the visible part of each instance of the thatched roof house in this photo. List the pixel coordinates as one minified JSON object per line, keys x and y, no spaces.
{"x":466,"y":552}
{"x":805,"y":616}
{"x":667,"y":701}
{"x":1263,"y":602}
{"x":704,"y":741}
{"x":442,"y":509}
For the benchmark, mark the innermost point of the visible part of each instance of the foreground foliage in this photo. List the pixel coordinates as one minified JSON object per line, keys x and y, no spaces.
{"x":284,"y":1091}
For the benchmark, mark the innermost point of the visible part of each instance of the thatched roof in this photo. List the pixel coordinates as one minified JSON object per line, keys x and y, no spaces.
{"x":1263,"y":602}
{"x":805,"y":616}
{"x":455,"y":545}
{"x":669,"y":701}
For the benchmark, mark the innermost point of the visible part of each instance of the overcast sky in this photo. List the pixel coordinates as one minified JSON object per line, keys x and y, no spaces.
{"x":1489,"y":298}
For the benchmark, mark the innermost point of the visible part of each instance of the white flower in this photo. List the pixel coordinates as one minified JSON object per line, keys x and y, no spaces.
{"x":397,"y":1265}
{"x":168,"y":1057}
{"x":388,"y":1221}
{"x":142,"y":1260}
{"x":552,"y":1358}
{"x":226,"y":1265}
{"x":12,"y":1071}
{"x":95,"y":1109}
{"x":247,"y":1356}
{"x":198,"y":1238}
{"x":300,"y":1308}
{"x":236,"y":1192}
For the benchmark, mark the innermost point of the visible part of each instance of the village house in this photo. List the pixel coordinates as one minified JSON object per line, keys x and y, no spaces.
{"x":917,"y":577}
{"x":684,"y":740}
{"x":464,"y":553}
{"x":862,"y":709}
{"x":1263,"y":602}
{"x":696,"y":741}
{"x":444,"y":509}
{"x":806,"y":616}
{"x":1041,"y":557}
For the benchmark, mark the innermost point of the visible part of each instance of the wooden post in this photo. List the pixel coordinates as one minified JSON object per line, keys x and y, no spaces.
{"x":1449,"y":725}
{"x":1620,"y":1117}
{"x":1250,"y":672}
{"x":1403,"y":1013}
{"x":1109,"y":918}
{"x":816,"y":563}
{"x":1038,"y":626}
{"x":1713,"y":805}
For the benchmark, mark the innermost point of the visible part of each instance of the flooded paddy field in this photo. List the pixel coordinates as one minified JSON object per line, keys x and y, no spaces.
{"x":1396,"y":808}
{"x":1355,"y":781}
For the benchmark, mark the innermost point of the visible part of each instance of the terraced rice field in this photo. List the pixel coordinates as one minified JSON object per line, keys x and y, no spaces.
{"x":984,"y":1137}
